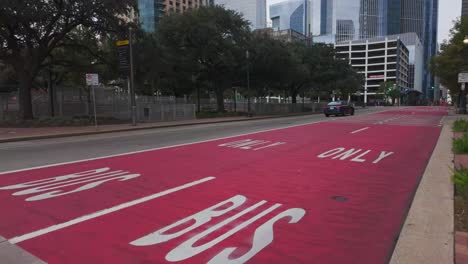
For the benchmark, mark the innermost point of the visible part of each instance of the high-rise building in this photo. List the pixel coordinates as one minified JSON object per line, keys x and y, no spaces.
{"x":151,"y":11}
{"x":465,"y":8}
{"x":253,"y":10}
{"x":342,"y":20}
{"x":292,"y":14}
{"x":384,"y":59}
{"x":339,"y":20}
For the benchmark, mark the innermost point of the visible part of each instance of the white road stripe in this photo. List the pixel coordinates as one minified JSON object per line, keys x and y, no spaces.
{"x":84,"y":218}
{"x":359,"y":130}
{"x":172,"y":146}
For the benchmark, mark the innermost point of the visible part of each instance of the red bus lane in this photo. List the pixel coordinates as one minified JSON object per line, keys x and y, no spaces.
{"x":332,"y":192}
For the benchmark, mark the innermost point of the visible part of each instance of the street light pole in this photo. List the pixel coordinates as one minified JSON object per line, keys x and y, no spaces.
{"x":132,"y":87}
{"x":462,"y":92}
{"x":247,"y":55}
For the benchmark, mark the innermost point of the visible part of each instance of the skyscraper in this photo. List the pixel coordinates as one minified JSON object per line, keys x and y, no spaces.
{"x":343,"y":20}
{"x":253,"y":10}
{"x":464,"y":7}
{"x":151,"y":11}
{"x":292,"y":14}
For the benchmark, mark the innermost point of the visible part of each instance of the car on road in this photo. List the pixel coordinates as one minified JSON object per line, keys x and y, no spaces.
{"x":338,"y":108}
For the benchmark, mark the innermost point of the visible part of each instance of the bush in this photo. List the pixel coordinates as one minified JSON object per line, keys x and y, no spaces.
{"x":460,"y":126}
{"x":460,"y":179}
{"x":460,"y":145}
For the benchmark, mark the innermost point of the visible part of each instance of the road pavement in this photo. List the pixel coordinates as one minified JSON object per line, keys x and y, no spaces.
{"x":327,"y":192}
{"x":25,"y":154}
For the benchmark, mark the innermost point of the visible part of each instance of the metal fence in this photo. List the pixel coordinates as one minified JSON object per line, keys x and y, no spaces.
{"x":110,"y":103}
{"x":76,"y":103}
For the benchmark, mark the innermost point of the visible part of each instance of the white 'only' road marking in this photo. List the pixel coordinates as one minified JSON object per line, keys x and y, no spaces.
{"x":174,"y":146}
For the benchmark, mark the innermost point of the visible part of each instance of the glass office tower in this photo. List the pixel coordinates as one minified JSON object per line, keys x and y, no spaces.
{"x":464,"y":7}
{"x":343,"y":20}
{"x":150,"y":12}
{"x":253,"y":10}
{"x":292,"y":14}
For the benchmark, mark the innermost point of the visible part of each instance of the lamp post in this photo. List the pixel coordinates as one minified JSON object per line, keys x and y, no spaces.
{"x":132,"y":86}
{"x":462,"y":93}
{"x":247,"y":56}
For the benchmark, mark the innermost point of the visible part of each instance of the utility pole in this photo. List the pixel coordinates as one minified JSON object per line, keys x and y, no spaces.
{"x":132,"y":87}
{"x":247,"y":55}
{"x":51,"y":90}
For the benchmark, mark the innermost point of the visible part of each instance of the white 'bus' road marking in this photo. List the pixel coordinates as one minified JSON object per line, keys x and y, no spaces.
{"x":84,"y":218}
{"x":359,"y":130}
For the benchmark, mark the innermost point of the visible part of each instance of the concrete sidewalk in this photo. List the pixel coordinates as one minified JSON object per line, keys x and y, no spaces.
{"x":11,"y":254}
{"x":13,"y":134}
{"x":427,"y":236}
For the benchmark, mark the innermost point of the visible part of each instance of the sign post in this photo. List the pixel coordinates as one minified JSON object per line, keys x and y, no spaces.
{"x":125,"y":51}
{"x":92,"y":80}
{"x":463,"y":79}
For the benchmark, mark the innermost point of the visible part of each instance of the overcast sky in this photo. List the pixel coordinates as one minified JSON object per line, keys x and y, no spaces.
{"x":449,"y":10}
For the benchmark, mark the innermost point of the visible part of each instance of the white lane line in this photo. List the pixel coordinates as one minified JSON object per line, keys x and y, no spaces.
{"x":359,"y":130}
{"x":84,"y":218}
{"x":174,"y":146}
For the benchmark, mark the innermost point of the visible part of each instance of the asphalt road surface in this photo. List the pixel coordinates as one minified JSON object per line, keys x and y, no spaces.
{"x":26,"y":154}
{"x":328,"y":192}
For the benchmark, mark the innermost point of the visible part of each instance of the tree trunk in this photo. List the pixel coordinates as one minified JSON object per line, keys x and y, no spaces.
{"x":25,"y":102}
{"x":220,"y":99}
{"x":294,"y":97}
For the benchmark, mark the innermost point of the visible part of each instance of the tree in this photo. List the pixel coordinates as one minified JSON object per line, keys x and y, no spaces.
{"x":453,"y":57}
{"x":348,"y":80}
{"x":31,"y":30}
{"x":298,"y":73}
{"x":393,"y":92}
{"x":208,"y":44}
{"x":269,"y":59}
{"x":321,"y":61}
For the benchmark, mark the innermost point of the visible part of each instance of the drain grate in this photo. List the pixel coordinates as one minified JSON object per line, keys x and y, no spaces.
{"x":340,"y":198}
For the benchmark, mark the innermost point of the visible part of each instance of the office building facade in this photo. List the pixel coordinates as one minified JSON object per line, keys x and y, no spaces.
{"x":151,"y":11}
{"x":253,"y":10}
{"x":286,"y":35}
{"x":345,"y":20}
{"x":464,"y":7}
{"x":292,"y":14}
{"x":379,"y":60}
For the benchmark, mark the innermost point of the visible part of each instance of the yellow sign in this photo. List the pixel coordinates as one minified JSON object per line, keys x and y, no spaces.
{"x":122,"y":42}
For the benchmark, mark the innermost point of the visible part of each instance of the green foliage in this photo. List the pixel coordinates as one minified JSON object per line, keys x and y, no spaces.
{"x":460,"y":125}
{"x":460,"y":179}
{"x":453,"y":57}
{"x":206,"y":44}
{"x":460,"y":145}
{"x":394,"y":93}
{"x":31,"y":30}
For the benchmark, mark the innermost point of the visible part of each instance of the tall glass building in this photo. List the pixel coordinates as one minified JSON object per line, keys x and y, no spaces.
{"x":253,"y":10}
{"x":151,"y":11}
{"x":292,"y":14}
{"x":464,"y":7}
{"x":344,"y":20}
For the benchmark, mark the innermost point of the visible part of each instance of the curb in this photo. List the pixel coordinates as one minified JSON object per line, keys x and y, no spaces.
{"x":144,"y":128}
{"x":12,"y":254}
{"x":427,"y":233}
